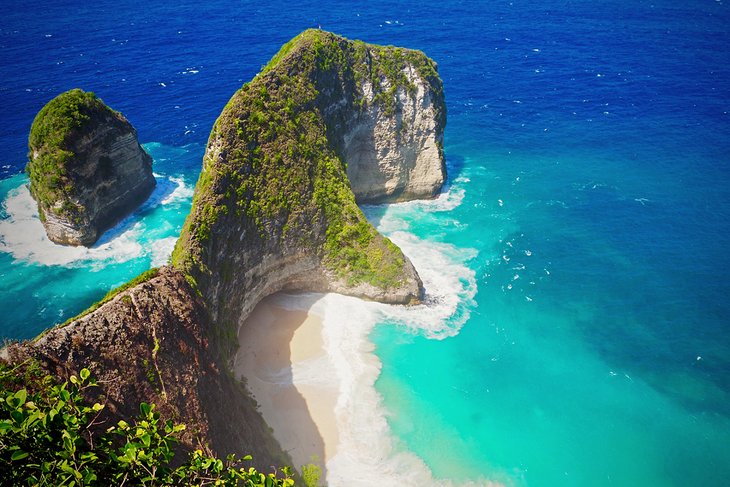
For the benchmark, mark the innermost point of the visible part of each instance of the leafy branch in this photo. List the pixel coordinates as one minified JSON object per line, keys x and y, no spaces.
{"x":47,"y":437}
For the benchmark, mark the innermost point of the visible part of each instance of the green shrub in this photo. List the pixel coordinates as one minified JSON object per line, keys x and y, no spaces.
{"x":49,"y":437}
{"x":311,"y":473}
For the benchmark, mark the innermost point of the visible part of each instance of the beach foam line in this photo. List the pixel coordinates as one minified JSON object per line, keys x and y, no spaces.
{"x":367,"y":453}
{"x":449,"y":284}
{"x":451,"y":198}
{"x":22,"y":234}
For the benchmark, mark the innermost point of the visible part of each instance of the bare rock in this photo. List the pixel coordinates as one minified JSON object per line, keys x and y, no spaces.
{"x":151,"y":343}
{"x":394,"y":152}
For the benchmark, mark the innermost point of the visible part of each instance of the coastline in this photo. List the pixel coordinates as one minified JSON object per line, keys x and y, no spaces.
{"x":308,"y":361}
{"x":282,"y":357}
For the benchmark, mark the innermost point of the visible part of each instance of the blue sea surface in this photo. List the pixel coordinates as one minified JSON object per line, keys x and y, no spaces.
{"x":588,"y":149}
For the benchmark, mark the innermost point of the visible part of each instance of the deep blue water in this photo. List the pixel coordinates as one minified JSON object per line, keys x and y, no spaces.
{"x":591,"y":144}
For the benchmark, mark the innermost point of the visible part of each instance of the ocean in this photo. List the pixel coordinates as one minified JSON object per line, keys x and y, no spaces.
{"x":576,"y":329}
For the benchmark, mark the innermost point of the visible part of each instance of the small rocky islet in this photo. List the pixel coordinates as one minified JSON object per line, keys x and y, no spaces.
{"x":86,"y":167}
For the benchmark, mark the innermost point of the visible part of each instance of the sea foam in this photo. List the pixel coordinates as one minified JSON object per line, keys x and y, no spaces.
{"x":22,"y":234}
{"x":368,"y":454}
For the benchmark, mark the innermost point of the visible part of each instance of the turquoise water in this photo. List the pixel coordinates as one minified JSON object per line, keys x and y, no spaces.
{"x":577,"y":324}
{"x":46,"y":284}
{"x":568,"y":371}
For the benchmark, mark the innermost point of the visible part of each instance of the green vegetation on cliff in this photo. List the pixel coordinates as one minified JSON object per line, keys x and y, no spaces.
{"x":50,"y":436}
{"x":273,"y":158}
{"x":51,"y":134}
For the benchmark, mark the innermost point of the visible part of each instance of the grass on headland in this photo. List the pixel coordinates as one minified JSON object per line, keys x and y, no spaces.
{"x":271,"y":158}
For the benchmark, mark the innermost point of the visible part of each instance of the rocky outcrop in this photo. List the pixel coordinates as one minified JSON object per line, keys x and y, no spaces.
{"x":87,"y":170}
{"x":274,"y":208}
{"x":151,"y":343}
{"x":394,"y":150}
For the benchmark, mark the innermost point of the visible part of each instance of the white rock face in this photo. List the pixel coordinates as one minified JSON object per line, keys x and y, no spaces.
{"x":397,"y":156}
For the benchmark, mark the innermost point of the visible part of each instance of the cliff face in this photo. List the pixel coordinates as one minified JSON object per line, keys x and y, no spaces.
{"x":393,"y":145}
{"x":274,"y":208}
{"x":151,"y":343}
{"x":87,"y":169}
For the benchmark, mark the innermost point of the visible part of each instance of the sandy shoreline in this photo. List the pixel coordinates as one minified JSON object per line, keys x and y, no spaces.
{"x":283,"y":359}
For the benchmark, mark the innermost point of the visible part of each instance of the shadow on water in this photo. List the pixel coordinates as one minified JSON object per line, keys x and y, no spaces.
{"x":454,"y":167}
{"x":265,"y":363}
{"x":163,"y":189}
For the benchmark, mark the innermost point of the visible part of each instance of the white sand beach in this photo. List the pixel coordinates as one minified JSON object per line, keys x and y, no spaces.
{"x":309,"y":364}
{"x":281,"y":355}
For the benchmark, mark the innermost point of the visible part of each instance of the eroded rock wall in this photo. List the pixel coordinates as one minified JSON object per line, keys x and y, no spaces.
{"x":397,"y":155}
{"x":152,"y":343}
{"x":87,"y":169}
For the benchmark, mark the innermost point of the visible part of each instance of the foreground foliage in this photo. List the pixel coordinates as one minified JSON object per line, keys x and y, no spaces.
{"x":49,"y":436}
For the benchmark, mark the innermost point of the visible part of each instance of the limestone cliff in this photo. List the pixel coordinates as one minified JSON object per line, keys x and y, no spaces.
{"x":87,"y":170}
{"x":274,"y":209}
{"x":392,"y":143}
{"x":151,"y":343}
